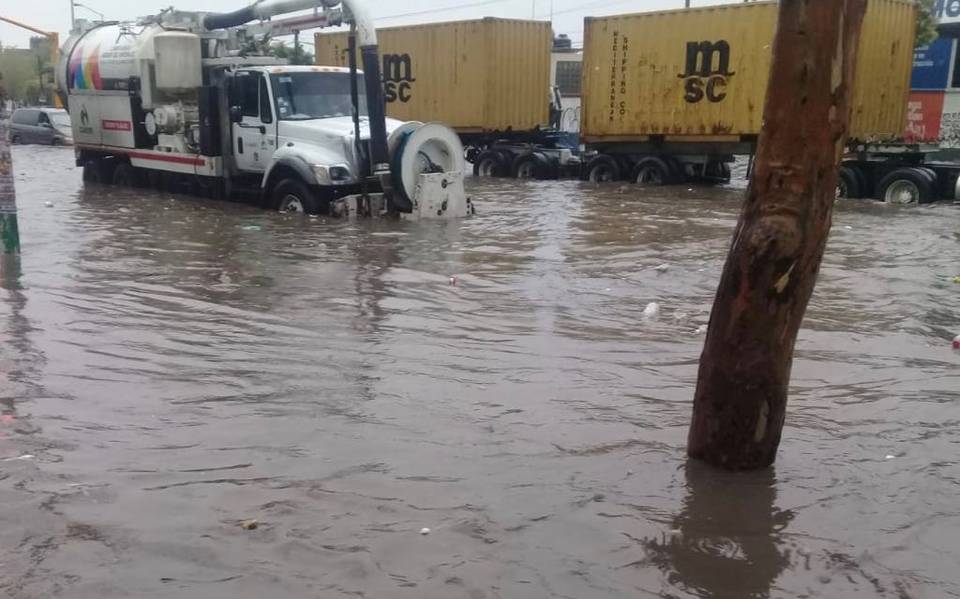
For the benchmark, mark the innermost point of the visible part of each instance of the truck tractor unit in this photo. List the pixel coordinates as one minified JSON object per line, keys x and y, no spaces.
{"x":190,"y":101}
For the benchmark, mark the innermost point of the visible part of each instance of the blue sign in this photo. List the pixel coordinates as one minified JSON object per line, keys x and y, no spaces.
{"x":931,"y":65}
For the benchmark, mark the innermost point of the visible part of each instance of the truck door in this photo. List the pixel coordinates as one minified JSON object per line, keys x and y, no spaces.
{"x":254,"y":138}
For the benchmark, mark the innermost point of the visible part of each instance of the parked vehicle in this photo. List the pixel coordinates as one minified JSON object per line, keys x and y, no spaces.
{"x":50,"y":126}
{"x":488,"y":79}
{"x":190,"y":101}
{"x":672,"y":96}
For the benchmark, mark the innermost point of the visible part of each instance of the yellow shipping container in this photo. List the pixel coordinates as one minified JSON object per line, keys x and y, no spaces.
{"x":474,"y":76}
{"x":702,"y":73}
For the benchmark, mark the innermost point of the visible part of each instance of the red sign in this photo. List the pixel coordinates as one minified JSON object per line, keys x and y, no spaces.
{"x":924,"y":111}
{"x":117,"y":125}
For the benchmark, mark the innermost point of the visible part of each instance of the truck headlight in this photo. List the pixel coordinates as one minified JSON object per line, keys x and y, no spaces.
{"x":332,"y":175}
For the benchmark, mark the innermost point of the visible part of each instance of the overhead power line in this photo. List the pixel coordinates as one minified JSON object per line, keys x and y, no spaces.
{"x":440,"y":9}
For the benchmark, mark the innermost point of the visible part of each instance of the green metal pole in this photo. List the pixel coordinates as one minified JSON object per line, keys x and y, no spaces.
{"x":9,"y":230}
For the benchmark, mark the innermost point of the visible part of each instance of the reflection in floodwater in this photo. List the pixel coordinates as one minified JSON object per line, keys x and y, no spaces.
{"x":725,"y":541}
{"x":171,"y":367}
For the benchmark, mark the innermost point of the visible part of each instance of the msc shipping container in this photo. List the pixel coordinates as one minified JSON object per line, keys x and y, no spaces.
{"x":475,"y":76}
{"x":488,"y":79}
{"x":667,"y":85}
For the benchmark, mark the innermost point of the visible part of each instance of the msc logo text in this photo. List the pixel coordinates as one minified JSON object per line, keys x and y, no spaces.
{"x":397,"y":77}
{"x":707,"y":71}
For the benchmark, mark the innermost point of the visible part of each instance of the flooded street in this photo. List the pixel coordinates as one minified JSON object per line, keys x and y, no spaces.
{"x":171,"y":367}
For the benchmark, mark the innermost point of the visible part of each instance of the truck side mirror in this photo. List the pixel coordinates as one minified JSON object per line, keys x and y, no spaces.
{"x":236,"y":114}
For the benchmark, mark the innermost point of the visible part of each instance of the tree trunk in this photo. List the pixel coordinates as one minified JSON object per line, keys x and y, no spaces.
{"x":773,"y":262}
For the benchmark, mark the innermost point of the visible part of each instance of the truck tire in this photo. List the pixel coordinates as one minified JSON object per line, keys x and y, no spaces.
{"x":906,"y":186}
{"x":601,"y":169}
{"x":124,"y":175}
{"x":653,"y":171}
{"x":851,"y":184}
{"x":92,"y":173}
{"x":290,"y":195}
{"x":490,"y":164}
{"x":532,"y":165}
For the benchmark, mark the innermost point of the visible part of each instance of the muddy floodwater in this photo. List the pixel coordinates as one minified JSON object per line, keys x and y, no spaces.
{"x":172,"y":367}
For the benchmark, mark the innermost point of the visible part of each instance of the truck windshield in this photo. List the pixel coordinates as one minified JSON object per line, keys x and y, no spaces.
{"x":314,"y":95}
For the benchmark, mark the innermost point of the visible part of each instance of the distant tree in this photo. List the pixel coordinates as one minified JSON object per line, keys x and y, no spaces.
{"x":926,"y":22}
{"x":291,"y":53}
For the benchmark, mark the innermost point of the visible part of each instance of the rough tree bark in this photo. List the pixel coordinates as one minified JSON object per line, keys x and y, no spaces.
{"x":772,"y":266}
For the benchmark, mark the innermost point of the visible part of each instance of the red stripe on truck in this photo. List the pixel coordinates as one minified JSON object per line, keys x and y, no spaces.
{"x":177,"y":159}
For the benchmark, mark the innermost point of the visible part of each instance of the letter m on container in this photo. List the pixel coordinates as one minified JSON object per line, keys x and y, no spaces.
{"x":706,"y":72}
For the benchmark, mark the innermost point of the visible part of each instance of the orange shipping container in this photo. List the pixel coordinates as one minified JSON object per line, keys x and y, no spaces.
{"x":475,"y":76}
{"x":701,"y":74}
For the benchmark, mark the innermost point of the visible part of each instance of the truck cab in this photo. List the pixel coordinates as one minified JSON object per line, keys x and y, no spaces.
{"x":293,"y":134}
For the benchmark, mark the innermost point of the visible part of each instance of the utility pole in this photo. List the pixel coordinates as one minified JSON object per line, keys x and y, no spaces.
{"x":9,"y":229}
{"x":73,"y":16}
{"x":772,"y":266}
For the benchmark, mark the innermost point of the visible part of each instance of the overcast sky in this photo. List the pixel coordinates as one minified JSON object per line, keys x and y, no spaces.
{"x":54,"y":15}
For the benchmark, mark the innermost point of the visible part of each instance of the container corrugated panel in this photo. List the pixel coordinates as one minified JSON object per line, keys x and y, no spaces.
{"x":482,"y":75}
{"x":703,"y":73}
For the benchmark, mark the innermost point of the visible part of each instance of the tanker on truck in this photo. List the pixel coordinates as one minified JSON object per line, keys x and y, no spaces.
{"x":488,"y":79}
{"x":673,"y":96}
{"x":191,"y":100}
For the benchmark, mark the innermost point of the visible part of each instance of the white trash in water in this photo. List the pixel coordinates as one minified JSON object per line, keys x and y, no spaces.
{"x":453,"y":280}
{"x":48,"y":204}
{"x":424,"y":531}
{"x":662,"y":268}
{"x":701,"y":329}
{"x":652,"y":310}
{"x":891,"y":457}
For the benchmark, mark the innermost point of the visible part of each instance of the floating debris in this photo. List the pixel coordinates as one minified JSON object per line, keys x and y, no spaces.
{"x":453,"y":280}
{"x":249,"y":525}
{"x":652,"y":311}
{"x":424,"y":531}
{"x":662,"y":268}
{"x":48,"y":204}
{"x":702,"y":329}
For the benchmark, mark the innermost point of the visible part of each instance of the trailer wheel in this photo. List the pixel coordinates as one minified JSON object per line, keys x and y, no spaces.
{"x":653,"y":171}
{"x":532,"y":165}
{"x":124,"y":176}
{"x":602,"y":169}
{"x":850,"y":183}
{"x":290,"y":195}
{"x":92,"y":172}
{"x":490,"y":164}
{"x":906,"y":186}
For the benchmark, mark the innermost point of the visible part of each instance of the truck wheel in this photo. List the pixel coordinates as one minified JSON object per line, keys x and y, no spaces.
{"x":602,"y":169}
{"x":290,"y":195}
{"x":906,"y":186}
{"x":533,"y":165}
{"x":92,"y":172}
{"x":124,"y":176}
{"x":849,"y":183}
{"x":717,"y":171}
{"x":490,"y":164}
{"x":653,"y":171}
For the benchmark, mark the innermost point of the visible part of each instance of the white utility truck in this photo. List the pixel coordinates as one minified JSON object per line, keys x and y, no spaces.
{"x":192,"y":101}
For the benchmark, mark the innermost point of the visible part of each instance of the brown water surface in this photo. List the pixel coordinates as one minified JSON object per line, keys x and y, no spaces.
{"x":170,"y":367}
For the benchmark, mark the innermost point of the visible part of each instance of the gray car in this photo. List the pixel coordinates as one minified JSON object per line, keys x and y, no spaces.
{"x":40,"y":126}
